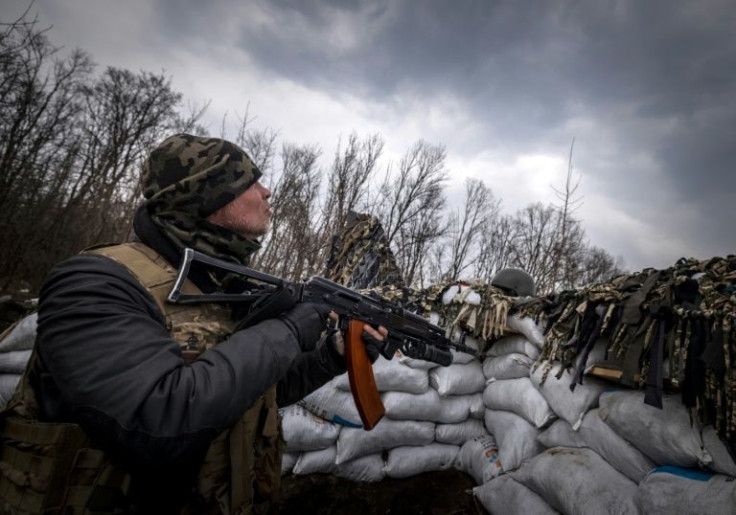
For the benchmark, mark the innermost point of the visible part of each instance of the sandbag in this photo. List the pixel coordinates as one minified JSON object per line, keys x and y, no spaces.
{"x":679,"y":491}
{"x":560,"y":434}
{"x":514,"y":343}
{"x":21,"y":335}
{"x":518,"y":396}
{"x":722,"y":461}
{"x":528,"y":327}
{"x":622,"y":456}
{"x":305,"y":431}
{"x":428,"y":406}
{"x":288,"y":460}
{"x":8,"y":382}
{"x":458,"y":434}
{"x":388,"y":434}
{"x":507,"y":496}
{"x":508,"y":366}
{"x":478,"y":457}
{"x":14,"y":361}
{"x":459,"y":358}
{"x":411,"y":461}
{"x":516,"y":438}
{"x":666,"y":436}
{"x":392,"y":375}
{"x":578,"y":481}
{"x":367,"y":469}
{"x":333,"y":405}
{"x":567,"y":404}
{"x":458,"y":379}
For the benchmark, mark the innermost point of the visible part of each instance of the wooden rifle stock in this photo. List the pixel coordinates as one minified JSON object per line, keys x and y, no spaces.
{"x":360,"y":374}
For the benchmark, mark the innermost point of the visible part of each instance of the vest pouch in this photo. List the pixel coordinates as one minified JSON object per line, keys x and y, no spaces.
{"x":35,"y":461}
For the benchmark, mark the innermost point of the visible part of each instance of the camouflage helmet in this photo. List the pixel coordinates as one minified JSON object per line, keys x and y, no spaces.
{"x":515,"y":281}
{"x":196,"y":175}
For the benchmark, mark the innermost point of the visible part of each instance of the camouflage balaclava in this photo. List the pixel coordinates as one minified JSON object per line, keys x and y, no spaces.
{"x":187,"y":178}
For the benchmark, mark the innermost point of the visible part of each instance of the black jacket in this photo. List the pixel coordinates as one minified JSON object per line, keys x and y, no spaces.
{"x":109,"y":365}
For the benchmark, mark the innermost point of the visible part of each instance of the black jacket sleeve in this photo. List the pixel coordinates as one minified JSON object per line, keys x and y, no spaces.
{"x":111,"y":366}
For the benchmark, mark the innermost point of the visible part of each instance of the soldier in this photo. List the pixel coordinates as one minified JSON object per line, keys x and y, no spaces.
{"x":138,"y":405}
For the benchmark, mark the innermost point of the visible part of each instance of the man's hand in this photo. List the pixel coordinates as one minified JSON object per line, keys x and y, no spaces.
{"x":307,"y":321}
{"x":373,"y":339}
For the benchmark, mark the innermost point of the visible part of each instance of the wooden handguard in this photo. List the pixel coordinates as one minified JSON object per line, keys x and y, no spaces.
{"x":360,"y":373}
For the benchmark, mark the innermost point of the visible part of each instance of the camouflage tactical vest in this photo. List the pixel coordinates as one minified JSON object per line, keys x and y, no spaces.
{"x":52,"y":467}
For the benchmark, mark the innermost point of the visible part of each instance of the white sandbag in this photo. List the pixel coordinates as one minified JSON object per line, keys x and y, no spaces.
{"x":305,"y":431}
{"x":560,"y":434}
{"x":458,"y":379}
{"x":722,"y":461}
{"x":507,"y":496}
{"x":477,"y":408}
{"x":419,"y":364}
{"x":528,"y":327}
{"x":516,"y":438}
{"x":622,"y":456}
{"x":428,"y":406}
{"x":664,"y":435}
{"x":520,"y":397}
{"x":367,"y":469}
{"x":288,"y":460}
{"x":388,"y":434}
{"x":567,"y":404}
{"x":508,"y":366}
{"x":458,"y":434}
{"x":677,"y":491}
{"x":392,"y":375}
{"x":22,"y":334}
{"x":461,"y":293}
{"x":514,"y":343}
{"x":478,"y":457}
{"x":578,"y":481}
{"x":411,"y":461}
{"x":8,"y":382}
{"x":333,"y":405}
{"x":14,"y":361}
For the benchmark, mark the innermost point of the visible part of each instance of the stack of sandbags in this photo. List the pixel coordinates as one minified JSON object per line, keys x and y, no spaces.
{"x":16,"y":344}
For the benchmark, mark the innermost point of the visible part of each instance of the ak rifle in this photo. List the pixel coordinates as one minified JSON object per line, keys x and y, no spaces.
{"x":408,"y":332}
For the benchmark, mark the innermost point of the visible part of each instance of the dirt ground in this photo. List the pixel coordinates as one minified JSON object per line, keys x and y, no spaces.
{"x":433,"y":493}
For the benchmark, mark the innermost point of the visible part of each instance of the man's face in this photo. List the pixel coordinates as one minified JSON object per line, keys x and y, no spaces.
{"x":249,"y":215}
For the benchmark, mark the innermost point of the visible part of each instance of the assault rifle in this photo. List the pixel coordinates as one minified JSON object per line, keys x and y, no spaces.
{"x":408,"y":332}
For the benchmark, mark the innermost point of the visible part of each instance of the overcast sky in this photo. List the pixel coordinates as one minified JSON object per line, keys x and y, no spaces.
{"x":646,"y":88}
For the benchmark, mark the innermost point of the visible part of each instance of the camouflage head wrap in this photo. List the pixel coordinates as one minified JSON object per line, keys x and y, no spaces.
{"x":187,"y":178}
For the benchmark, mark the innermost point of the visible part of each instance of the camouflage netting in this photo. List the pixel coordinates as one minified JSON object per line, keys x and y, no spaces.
{"x":656,"y":330}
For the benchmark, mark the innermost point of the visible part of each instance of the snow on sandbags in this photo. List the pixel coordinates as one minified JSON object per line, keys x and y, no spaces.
{"x":514,"y":343}
{"x":528,"y":328}
{"x":598,"y":436}
{"x":518,"y":396}
{"x":392,"y":375}
{"x":430,"y":406}
{"x":679,"y":491}
{"x":368,"y":469}
{"x":405,"y":462}
{"x":8,"y":382}
{"x":516,"y":438}
{"x":21,"y":335}
{"x":664,"y":435}
{"x":458,"y":379}
{"x":508,"y":366}
{"x":478,"y":457}
{"x":304,"y":431}
{"x":333,"y":405}
{"x":506,"y":495}
{"x":388,"y":434}
{"x":578,"y":481}
{"x":14,"y":361}
{"x":567,"y":404}
{"x":458,"y":434}
{"x":722,"y":461}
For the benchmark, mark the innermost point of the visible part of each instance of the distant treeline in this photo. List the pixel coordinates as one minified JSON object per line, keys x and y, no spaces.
{"x":72,"y":141}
